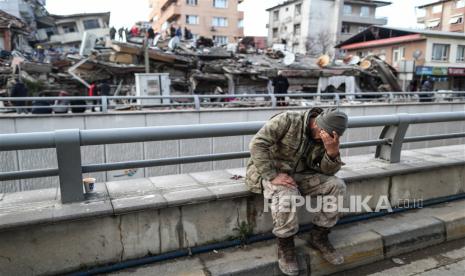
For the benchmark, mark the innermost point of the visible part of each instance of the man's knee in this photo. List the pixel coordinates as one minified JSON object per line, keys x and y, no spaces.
{"x":336,"y":185}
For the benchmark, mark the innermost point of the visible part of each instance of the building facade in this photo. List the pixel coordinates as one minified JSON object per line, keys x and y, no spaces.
{"x":447,"y":16}
{"x":357,"y":15}
{"x":437,"y":55}
{"x":315,"y":26}
{"x":32,"y":12}
{"x":216,"y":19}
{"x":69,"y":29}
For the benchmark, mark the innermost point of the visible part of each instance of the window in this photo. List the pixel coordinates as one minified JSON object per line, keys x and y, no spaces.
{"x":440,"y":52}
{"x":220,"y":40}
{"x":220,"y":22}
{"x":297,"y":29}
{"x":397,"y":55}
{"x":69,"y":28}
{"x":461,"y":53}
{"x":192,"y":2}
{"x":240,"y":23}
{"x":298,"y":10}
{"x":222,"y":4}
{"x":365,"y":11}
{"x":192,"y":19}
{"x":437,"y":8}
{"x":347,"y":9}
{"x":91,"y":24}
{"x":276,"y":15}
{"x":456,"y":20}
{"x":287,"y":9}
{"x":361,"y":29}
{"x":275,"y":32}
{"x":460,"y":4}
{"x":345,"y":28}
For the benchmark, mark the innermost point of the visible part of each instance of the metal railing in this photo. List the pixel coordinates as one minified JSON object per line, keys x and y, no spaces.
{"x":68,"y":145}
{"x":198,"y":102}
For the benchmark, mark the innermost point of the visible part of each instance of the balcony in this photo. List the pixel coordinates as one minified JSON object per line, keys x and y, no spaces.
{"x":365,"y":20}
{"x":76,"y":36}
{"x":167,"y":3}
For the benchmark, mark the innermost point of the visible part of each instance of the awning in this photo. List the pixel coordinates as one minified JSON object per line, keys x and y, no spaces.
{"x":455,"y":20}
{"x":433,"y":24}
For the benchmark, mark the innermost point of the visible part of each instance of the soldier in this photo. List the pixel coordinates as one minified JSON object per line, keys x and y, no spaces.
{"x":297,"y":153}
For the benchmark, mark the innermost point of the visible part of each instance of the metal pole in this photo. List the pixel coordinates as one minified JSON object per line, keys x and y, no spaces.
{"x":104,"y":104}
{"x":68,"y":146}
{"x":146,"y":56}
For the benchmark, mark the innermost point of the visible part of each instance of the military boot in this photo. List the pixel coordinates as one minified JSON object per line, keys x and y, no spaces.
{"x":287,"y":258}
{"x":319,"y":240}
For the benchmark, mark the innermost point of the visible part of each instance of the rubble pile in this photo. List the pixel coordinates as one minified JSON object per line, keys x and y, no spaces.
{"x":194,"y":68}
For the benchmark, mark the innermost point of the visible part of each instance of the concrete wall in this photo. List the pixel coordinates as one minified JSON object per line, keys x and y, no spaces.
{"x":46,"y":158}
{"x":132,"y":219}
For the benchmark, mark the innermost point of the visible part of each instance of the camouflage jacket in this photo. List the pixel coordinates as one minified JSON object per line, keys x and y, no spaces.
{"x":284,"y":145}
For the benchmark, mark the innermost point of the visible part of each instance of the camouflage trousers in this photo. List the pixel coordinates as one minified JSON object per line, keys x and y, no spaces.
{"x":285,"y":220}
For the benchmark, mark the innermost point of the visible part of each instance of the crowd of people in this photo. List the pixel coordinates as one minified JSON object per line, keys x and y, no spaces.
{"x":61,"y":106}
{"x":174,"y":30}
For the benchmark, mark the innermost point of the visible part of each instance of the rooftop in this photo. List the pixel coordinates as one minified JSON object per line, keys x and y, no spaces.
{"x":433,"y":3}
{"x":379,"y":33}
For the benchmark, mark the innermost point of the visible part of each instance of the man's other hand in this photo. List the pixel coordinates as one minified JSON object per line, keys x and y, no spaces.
{"x":285,"y":180}
{"x":331,"y":143}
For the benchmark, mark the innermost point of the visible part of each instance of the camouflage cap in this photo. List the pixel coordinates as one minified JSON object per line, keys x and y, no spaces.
{"x":333,"y":120}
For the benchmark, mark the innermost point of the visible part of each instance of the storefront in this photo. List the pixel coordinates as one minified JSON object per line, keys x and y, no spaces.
{"x":439,"y":75}
{"x":458,"y":78}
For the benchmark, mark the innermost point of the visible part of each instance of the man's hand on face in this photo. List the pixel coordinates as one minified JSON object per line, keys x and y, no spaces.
{"x":284,"y":180}
{"x":331,"y":143}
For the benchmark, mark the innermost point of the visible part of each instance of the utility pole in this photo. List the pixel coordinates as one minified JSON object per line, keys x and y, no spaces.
{"x":146,"y":55}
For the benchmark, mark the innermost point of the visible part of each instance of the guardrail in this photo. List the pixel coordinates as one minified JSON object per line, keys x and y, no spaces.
{"x":68,"y":145}
{"x":198,"y":102}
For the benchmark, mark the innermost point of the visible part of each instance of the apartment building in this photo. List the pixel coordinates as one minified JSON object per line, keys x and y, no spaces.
{"x":315,"y":26}
{"x":438,"y":55}
{"x":357,"y":15}
{"x":216,"y":19}
{"x":447,"y":16}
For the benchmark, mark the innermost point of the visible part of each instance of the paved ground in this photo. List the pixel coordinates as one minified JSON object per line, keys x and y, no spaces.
{"x":444,"y":259}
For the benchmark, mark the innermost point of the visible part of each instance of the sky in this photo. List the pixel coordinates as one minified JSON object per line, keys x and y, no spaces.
{"x":400,"y":14}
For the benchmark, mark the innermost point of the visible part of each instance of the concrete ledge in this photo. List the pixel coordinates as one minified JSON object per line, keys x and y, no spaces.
{"x":359,"y":242}
{"x":161,"y":214}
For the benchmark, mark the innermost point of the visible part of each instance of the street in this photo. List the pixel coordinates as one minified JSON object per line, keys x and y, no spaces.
{"x":444,"y":259}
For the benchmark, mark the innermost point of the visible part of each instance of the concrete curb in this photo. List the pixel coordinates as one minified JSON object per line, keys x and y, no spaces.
{"x":361,"y":243}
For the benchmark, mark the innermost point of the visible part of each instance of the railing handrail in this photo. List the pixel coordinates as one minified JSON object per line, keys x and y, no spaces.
{"x":69,"y":142}
{"x":89,"y":137}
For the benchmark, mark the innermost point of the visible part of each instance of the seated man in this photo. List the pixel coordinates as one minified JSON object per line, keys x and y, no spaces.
{"x":297,"y":153}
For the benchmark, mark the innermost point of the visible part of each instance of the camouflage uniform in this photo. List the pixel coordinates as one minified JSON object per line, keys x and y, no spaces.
{"x":284,"y":145}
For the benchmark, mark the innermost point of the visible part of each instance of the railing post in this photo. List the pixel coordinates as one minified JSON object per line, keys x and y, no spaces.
{"x":104,"y":104}
{"x":391,"y":97}
{"x":337,"y":99}
{"x":197,"y":102}
{"x":68,"y":147}
{"x":395,"y":134}
{"x":273,"y":101}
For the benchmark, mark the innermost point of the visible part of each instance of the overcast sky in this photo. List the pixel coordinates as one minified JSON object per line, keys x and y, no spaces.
{"x":124,"y":13}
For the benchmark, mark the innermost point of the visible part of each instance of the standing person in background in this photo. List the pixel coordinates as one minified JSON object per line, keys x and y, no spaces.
{"x":78,"y":106}
{"x":134,"y":31}
{"x":62,"y":106}
{"x":19,"y":90}
{"x":112,"y":33}
{"x":179,"y":32}
{"x":127,"y":33}
{"x":93,"y":93}
{"x":150,"y":36}
{"x":172,"y":30}
{"x":120,"y":34}
{"x":105,"y":90}
{"x":280,"y":84}
{"x":427,"y":86}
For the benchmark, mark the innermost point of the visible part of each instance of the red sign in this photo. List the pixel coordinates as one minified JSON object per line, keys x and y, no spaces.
{"x":456,"y":71}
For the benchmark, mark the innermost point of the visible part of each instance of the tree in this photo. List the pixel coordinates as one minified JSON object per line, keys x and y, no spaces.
{"x":321,"y":43}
